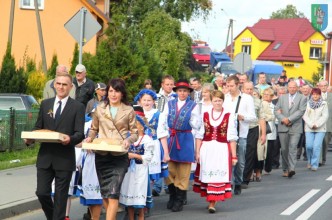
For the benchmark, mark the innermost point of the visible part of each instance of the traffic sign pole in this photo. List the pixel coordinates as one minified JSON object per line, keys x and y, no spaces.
{"x":81,"y":43}
{"x":82,"y":26}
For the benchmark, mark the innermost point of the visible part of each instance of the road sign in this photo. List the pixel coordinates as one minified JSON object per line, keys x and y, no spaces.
{"x":242,"y":62}
{"x":82,"y":26}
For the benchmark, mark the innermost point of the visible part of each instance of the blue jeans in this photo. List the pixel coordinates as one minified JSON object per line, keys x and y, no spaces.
{"x":239,"y":167}
{"x":158,"y":185}
{"x":314,"y":141}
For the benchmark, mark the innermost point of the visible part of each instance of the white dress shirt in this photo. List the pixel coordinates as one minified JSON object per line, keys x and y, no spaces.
{"x":246,"y":109}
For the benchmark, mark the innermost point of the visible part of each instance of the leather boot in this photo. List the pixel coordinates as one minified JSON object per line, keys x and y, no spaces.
{"x":178,"y":204}
{"x":237,"y":190}
{"x":185,"y":198}
{"x":172,"y":194}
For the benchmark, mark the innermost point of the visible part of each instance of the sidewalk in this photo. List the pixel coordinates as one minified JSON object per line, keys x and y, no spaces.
{"x":17,"y":191}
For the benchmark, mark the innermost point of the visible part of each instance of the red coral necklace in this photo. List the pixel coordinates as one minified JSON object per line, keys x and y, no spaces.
{"x":215,"y":119}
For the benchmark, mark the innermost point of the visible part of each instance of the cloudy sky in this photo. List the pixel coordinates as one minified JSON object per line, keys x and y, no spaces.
{"x":244,"y":13}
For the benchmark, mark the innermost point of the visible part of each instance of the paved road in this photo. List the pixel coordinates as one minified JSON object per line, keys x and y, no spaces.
{"x":306,"y":196}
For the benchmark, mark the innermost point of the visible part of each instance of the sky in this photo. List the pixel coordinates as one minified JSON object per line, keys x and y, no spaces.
{"x":245,"y":13}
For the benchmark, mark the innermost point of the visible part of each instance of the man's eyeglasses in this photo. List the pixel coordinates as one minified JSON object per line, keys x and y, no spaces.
{"x":78,"y":72}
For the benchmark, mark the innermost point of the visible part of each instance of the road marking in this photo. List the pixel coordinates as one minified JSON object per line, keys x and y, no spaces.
{"x":314,"y":207}
{"x":329,"y":179}
{"x":300,"y":202}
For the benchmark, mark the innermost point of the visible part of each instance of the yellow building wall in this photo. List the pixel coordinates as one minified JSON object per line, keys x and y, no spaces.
{"x":257,"y":46}
{"x":309,"y":65}
{"x":294,"y":69}
{"x":57,"y":39}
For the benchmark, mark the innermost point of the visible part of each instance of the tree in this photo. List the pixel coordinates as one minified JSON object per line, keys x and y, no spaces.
{"x":289,"y":12}
{"x":74,"y":61}
{"x":52,"y":70}
{"x":35,"y":84}
{"x":8,"y":70}
{"x":162,"y":35}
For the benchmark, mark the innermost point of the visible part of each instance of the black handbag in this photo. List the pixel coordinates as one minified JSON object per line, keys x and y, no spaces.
{"x":268,"y":128}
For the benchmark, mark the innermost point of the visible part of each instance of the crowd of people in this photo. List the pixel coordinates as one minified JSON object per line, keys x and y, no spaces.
{"x":222,"y":135}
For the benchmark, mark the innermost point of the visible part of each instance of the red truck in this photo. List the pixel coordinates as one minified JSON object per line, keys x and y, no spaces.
{"x":201,"y":53}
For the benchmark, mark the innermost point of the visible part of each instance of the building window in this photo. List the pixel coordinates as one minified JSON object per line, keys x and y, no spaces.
{"x":30,"y":4}
{"x":276,"y":47}
{"x":246,"y":49}
{"x":315,"y":52}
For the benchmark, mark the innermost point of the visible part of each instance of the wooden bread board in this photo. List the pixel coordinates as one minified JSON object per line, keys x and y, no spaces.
{"x":103,"y":144}
{"x":43,"y":136}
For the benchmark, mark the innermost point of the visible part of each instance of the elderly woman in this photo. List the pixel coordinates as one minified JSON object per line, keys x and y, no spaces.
{"x":114,"y":119}
{"x":315,"y":118}
{"x":267,"y":114}
{"x":216,"y":153}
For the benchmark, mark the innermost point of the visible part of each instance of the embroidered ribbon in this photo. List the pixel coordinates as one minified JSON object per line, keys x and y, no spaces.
{"x":132,"y":166}
{"x":173,"y":134}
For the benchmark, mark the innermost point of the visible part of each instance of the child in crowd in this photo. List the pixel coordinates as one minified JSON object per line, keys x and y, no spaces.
{"x":135,"y":186}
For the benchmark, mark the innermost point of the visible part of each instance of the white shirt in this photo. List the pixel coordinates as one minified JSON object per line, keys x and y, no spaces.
{"x":246,"y":109}
{"x":56,"y":104}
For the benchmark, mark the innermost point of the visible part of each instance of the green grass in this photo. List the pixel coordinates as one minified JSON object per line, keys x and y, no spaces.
{"x":27,"y":156}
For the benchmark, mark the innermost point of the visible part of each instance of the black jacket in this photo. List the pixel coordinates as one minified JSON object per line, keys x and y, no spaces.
{"x":84,"y":93}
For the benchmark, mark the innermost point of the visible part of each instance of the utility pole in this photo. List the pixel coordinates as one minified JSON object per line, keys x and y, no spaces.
{"x":11,"y":24}
{"x":41,"y":40}
{"x":230,"y":32}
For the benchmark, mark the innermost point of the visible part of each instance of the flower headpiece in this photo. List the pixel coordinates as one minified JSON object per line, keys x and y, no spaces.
{"x":143,"y":92}
{"x":140,"y":118}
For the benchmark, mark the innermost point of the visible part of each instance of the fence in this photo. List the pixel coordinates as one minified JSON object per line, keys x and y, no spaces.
{"x":12,"y":123}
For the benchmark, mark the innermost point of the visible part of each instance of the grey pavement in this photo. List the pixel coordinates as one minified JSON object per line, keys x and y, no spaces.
{"x":274,"y":194}
{"x":17,"y":194}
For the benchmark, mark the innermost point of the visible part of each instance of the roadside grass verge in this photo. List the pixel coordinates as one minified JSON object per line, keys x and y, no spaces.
{"x":27,"y":156}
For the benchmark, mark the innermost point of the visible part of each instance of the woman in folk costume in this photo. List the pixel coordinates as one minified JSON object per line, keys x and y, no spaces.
{"x":135,"y":186}
{"x":216,"y":153}
{"x":158,"y":167}
{"x":183,"y":115}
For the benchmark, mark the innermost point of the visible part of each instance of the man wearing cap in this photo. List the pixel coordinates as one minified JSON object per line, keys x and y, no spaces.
{"x":182,"y":116}
{"x":84,"y":87}
{"x":49,"y":90}
{"x":100,"y":92}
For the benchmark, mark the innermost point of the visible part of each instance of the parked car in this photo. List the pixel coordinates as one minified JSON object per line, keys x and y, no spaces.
{"x":22,"y":117}
{"x":17,"y":101}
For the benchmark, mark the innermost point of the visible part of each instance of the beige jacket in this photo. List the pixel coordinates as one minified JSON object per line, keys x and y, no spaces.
{"x":124,"y":126}
{"x":267,"y":115}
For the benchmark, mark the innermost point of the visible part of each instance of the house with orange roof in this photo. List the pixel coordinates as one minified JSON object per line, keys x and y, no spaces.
{"x":53,"y":15}
{"x":292,"y":43}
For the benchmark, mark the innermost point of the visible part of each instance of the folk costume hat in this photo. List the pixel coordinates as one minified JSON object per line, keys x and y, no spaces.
{"x":143,"y":92}
{"x":182,"y":84}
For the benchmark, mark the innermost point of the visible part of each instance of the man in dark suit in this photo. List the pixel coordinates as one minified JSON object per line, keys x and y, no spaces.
{"x":289,"y":111}
{"x":57,"y":160}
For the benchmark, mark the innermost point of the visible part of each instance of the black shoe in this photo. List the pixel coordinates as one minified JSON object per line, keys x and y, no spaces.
{"x":305,"y":159}
{"x":291,"y":173}
{"x":237,"y":190}
{"x":244,"y":185}
{"x":155,"y":193}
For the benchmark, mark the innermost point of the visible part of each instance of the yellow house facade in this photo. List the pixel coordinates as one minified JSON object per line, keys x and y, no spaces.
{"x":292,"y":43}
{"x":53,"y":15}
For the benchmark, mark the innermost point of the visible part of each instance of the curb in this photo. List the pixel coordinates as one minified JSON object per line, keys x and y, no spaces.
{"x":18,"y":209}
